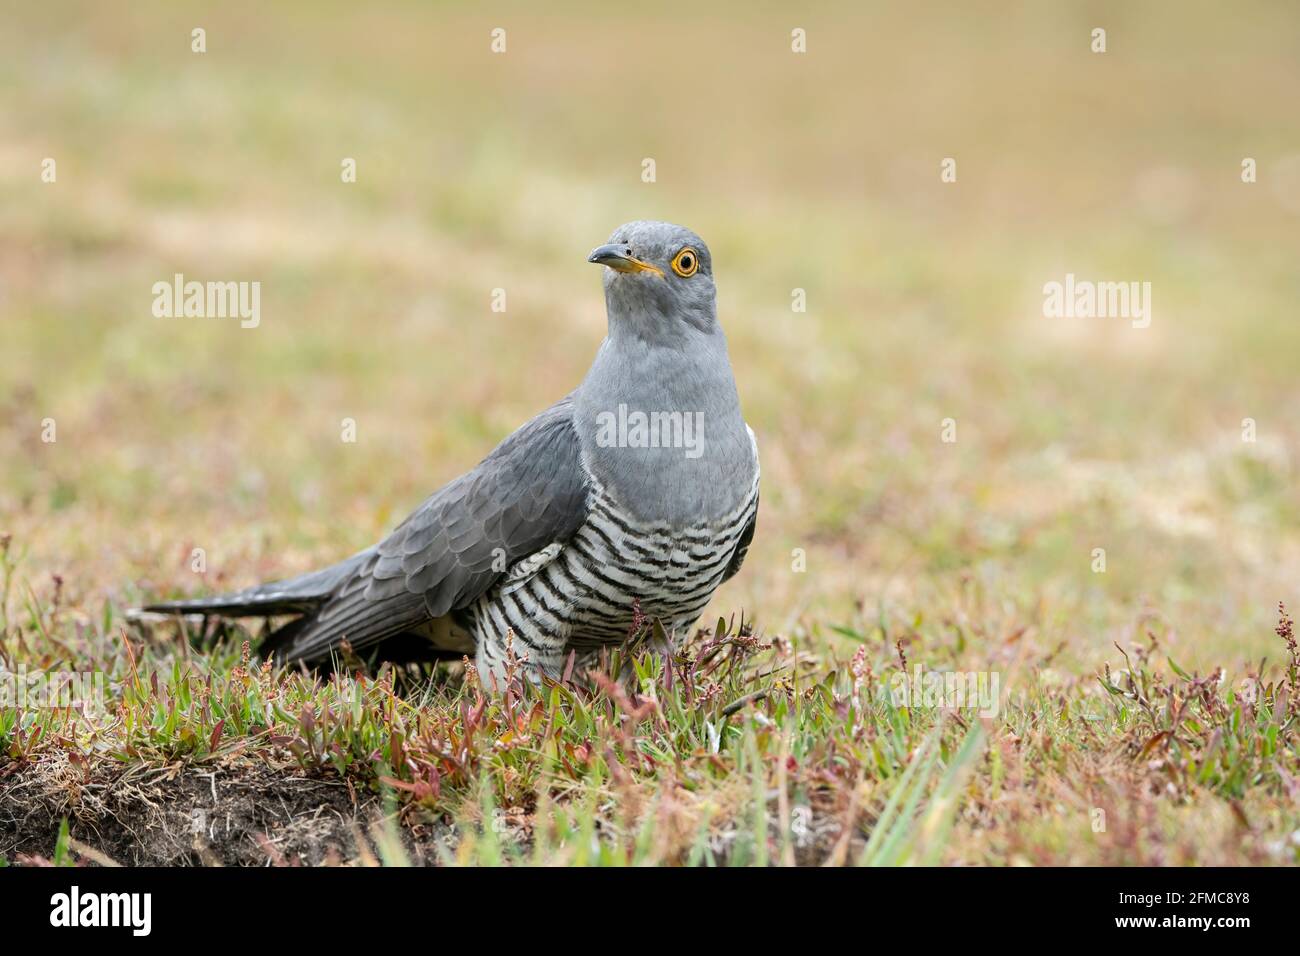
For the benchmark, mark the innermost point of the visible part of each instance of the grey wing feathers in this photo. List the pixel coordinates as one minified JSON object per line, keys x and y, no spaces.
{"x":347,"y":615}
{"x":531,"y":490}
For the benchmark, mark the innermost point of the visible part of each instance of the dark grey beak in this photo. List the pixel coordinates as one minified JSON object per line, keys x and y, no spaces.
{"x":619,"y":258}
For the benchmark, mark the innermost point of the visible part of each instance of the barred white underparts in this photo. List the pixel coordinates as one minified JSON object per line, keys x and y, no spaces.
{"x":582,"y":596}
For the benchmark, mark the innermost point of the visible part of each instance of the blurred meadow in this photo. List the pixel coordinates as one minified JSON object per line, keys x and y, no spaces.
{"x":816,"y":171}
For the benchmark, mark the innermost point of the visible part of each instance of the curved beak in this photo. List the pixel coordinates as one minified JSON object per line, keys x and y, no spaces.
{"x":619,"y":258}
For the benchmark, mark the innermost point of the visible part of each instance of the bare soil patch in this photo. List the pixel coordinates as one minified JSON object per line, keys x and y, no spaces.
{"x":244,"y":814}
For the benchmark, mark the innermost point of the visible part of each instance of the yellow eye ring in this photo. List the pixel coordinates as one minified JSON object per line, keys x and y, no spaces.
{"x":686,"y":262}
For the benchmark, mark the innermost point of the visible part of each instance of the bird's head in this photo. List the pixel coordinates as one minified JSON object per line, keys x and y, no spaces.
{"x":657,"y":277}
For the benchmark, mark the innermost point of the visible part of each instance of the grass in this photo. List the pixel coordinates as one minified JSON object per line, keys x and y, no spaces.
{"x":1147,"y":701}
{"x":728,"y":750}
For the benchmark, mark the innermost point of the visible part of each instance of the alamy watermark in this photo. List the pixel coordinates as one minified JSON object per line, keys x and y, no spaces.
{"x":1085,"y":299}
{"x":133,"y":911}
{"x":208,"y":300}
{"x":957,"y":690}
{"x":45,"y":690}
{"x":637,"y":429}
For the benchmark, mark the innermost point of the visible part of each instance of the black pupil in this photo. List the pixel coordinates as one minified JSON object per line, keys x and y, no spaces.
{"x":686,"y":263}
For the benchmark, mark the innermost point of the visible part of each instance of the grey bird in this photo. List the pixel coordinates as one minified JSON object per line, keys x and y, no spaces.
{"x":629,"y":500}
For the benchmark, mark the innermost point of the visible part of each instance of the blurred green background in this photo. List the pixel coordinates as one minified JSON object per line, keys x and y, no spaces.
{"x":817,"y":171}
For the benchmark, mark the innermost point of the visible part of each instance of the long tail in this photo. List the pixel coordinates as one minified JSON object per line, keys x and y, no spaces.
{"x":298,"y":595}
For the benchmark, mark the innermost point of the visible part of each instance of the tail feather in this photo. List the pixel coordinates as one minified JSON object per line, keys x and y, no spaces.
{"x":330,"y":608}
{"x":292,"y":596}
